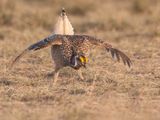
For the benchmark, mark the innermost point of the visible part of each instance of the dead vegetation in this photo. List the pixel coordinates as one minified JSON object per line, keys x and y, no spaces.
{"x":109,"y":91}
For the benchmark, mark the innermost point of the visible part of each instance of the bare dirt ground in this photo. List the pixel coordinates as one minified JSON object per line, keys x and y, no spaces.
{"x":109,"y":91}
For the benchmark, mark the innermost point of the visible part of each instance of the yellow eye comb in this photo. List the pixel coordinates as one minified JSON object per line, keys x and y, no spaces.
{"x":83,"y":59}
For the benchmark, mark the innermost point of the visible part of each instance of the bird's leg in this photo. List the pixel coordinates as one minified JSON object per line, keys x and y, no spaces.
{"x":73,"y":86}
{"x":92,"y":87}
{"x":56,"y":74}
{"x":80,"y":74}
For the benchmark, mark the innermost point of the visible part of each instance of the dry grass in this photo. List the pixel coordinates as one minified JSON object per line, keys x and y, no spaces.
{"x":109,"y":90}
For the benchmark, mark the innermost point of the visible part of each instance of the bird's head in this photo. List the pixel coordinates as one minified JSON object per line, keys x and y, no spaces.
{"x":78,"y":61}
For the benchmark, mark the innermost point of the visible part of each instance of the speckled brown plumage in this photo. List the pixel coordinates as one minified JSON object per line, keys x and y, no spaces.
{"x":80,"y":43}
{"x":71,"y":50}
{"x":63,"y":27}
{"x":77,"y":43}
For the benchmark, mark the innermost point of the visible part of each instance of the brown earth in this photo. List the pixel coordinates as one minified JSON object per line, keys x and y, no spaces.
{"x":110,"y":90}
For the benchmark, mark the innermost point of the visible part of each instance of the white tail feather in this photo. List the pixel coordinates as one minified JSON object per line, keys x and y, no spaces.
{"x":63,"y":26}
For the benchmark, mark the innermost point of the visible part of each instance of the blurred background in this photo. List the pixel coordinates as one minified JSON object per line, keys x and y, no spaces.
{"x":110,"y":90}
{"x":86,"y":16}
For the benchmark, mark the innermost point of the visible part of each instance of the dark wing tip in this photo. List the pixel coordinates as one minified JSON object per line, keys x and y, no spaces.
{"x":120,"y":55}
{"x":18,"y":58}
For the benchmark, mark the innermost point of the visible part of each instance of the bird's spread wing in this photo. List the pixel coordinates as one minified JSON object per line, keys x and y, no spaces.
{"x":115,"y":53}
{"x":119,"y":55}
{"x":51,"y":40}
